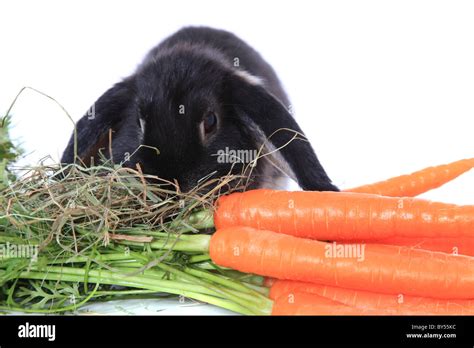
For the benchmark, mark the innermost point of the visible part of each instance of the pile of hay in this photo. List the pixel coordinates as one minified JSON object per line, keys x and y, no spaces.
{"x":70,"y":235}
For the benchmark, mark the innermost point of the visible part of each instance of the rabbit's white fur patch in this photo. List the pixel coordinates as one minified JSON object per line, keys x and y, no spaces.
{"x":142,"y":124}
{"x":252,"y":79}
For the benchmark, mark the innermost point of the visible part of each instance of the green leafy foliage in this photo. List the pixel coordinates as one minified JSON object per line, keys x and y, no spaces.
{"x":8,"y":153}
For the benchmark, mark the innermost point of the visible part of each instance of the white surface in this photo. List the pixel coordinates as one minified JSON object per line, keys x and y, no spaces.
{"x":380,"y":87}
{"x":152,"y":307}
{"x":146,"y":307}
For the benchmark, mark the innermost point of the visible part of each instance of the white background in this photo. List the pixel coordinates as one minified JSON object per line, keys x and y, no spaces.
{"x":381,"y":88}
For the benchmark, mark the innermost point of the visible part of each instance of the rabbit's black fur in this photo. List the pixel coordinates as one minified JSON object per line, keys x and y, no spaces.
{"x":194,"y":73}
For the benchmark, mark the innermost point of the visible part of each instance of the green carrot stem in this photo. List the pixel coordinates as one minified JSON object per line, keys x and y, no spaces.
{"x":226,"y":304}
{"x":158,"y":234}
{"x":198,"y":220}
{"x":113,"y":278}
{"x":210,"y":266}
{"x":123,"y":292}
{"x":244,"y":299}
{"x":201,"y":219}
{"x":223,"y":281}
{"x":195,"y":243}
{"x":261,"y":289}
{"x":197,"y":292}
{"x":154,"y":279}
{"x":100,"y":257}
{"x":152,"y":273}
{"x":244,"y":277}
{"x":199,"y":258}
{"x":126,"y":263}
{"x":198,"y":244}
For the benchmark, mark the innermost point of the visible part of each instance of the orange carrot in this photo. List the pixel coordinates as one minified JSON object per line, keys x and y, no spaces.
{"x":383,"y":303}
{"x":416,"y":183}
{"x":456,"y":245}
{"x":343,"y":215}
{"x":301,"y":303}
{"x":382,"y":268}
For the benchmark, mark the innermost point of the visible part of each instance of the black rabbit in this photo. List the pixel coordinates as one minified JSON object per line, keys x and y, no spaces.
{"x":200,"y":94}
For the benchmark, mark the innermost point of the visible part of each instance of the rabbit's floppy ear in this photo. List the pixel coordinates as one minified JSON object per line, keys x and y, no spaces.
{"x":114,"y":113}
{"x":274,"y":120}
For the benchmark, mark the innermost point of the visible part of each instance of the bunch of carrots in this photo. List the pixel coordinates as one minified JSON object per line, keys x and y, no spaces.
{"x":417,"y":255}
{"x":371,"y":250}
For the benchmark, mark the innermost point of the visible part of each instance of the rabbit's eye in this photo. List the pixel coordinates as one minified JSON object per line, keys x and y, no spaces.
{"x":209,"y":123}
